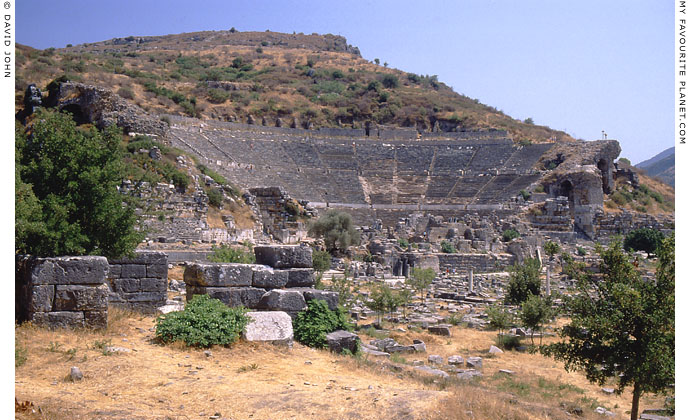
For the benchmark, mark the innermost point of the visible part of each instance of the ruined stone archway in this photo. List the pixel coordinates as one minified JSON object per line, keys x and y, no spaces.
{"x":566,"y":189}
{"x":604,"y":166}
{"x":77,"y":113}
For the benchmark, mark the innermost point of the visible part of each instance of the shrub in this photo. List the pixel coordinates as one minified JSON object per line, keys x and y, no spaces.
{"x":539,"y":189}
{"x":581,"y":251}
{"x":126,"y":93}
{"x":624,"y":160}
{"x":321,"y":261}
{"x":217,"y":96}
{"x":643,"y":239}
{"x":510,"y":234}
{"x":448,"y":247}
{"x":499,"y":317}
{"x":215,"y":197}
{"x":203,"y":323}
{"x":226,"y":254}
{"x":525,"y":195}
{"x":389,"y":81}
{"x":311,"y":325}
{"x":551,"y":248}
{"x":403,"y":243}
{"x":508,"y":341}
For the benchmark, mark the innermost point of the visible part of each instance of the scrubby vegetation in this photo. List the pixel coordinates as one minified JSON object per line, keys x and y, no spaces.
{"x":336,"y":229}
{"x":228,"y":254}
{"x":203,"y":323}
{"x":313,"y":324}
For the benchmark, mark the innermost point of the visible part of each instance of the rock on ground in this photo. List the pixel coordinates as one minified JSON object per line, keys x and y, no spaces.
{"x":273,"y":327}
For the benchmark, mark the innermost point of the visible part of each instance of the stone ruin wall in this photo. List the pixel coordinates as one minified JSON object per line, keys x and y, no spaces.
{"x":281,"y":280}
{"x":62,"y":291}
{"x":612,"y":224}
{"x":140,"y":282}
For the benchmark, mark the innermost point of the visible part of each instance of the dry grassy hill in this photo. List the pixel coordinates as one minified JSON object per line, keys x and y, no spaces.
{"x":231,"y":75}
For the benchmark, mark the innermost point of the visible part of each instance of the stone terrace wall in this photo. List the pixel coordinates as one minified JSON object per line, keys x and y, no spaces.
{"x":62,"y":291}
{"x":140,"y":282}
{"x":282,"y":280}
{"x":479,"y":262}
{"x":608,"y":225}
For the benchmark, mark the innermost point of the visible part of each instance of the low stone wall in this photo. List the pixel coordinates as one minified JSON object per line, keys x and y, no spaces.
{"x":478,"y":262}
{"x":282,"y":280}
{"x":140,"y":282}
{"x":62,"y":291}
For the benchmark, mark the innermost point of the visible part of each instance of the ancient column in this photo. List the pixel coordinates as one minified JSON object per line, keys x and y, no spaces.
{"x":548,"y":280}
{"x":471,"y":280}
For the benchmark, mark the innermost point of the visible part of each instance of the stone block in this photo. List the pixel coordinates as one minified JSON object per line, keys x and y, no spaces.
{"x":157,"y":270}
{"x":218,"y":274}
{"x":126,"y":285}
{"x":283,"y":300}
{"x":95,"y":319}
{"x":474,"y":362}
{"x":115,"y":271}
{"x":133,"y":271}
{"x":300,"y":277}
{"x":41,"y":298}
{"x":431,"y":371}
{"x":330,"y":297}
{"x":273,"y":327}
{"x":284,"y":256}
{"x":145,"y":257}
{"x":342,"y":340}
{"x":154,"y":285}
{"x":145,"y":298}
{"x":268,"y":278}
{"x":61,"y":319}
{"x":456,"y":360}
{"x":80,"y":298}
{"x":443,"y":330}
{"x":249,"y":297}
{"x":68,"y":270}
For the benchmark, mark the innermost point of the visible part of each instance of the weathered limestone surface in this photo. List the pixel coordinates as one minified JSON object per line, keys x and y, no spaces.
{"x":274,"y":327}
{"x":342,"y":340}
{"x":269,"y":278}
{"x":284,"y":256}
{"x":290,"y":301}
{"x":218,"y":274}
{"x":62,"y":291}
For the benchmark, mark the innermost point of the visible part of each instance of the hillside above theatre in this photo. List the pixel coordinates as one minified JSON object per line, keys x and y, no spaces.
{"x":303,"y":80}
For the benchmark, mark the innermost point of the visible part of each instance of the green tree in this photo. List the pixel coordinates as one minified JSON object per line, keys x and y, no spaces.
{"x":529,"y":121}
{"x":420,"y":279}
{"x":534,"y":313}
{"x":404,"y":297}
{"x":622,"y":326}
{"x":336,"y":229}
{"x":67,"y":197}
{"x":551,"y":248}
{"x":524,"y":279}
{"x":499,"y":317}
{"x":381,"y":300}
{"x":321,"y":261}
{"x":448,"y":247}
{"x":643,"y":239}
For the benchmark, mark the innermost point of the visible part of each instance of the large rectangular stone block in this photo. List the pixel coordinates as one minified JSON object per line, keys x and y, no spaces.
{"x":154,"y":285}
{"x":79,"y":297}
{"x":283,"y":300}
{"x":41,"y":298}
{"x":284,"y":256}
{"x":149,"y":298}
{"x":300,"y":277}
{"x":62,"y":319}
{"x":157,"y":270}
{"x":115,"y":271}
{"x":68,"y":270}
{"x":133,"y":271}
{"x":248,"y":297}
{"x":268,"y":278}
{"x":143,"y":257}
{"x":331,"y":298}
{"x":218,"y":274}
{"x":126,"y":285}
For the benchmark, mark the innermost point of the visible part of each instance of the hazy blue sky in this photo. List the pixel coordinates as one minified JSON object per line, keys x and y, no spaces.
{"x":579,"y":66}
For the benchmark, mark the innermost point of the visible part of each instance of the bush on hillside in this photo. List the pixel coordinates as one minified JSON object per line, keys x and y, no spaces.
{"x":203,"y":323}
{"x":313,"y":324}
{"x":509,"y":235}
{"x":643,"y":239}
